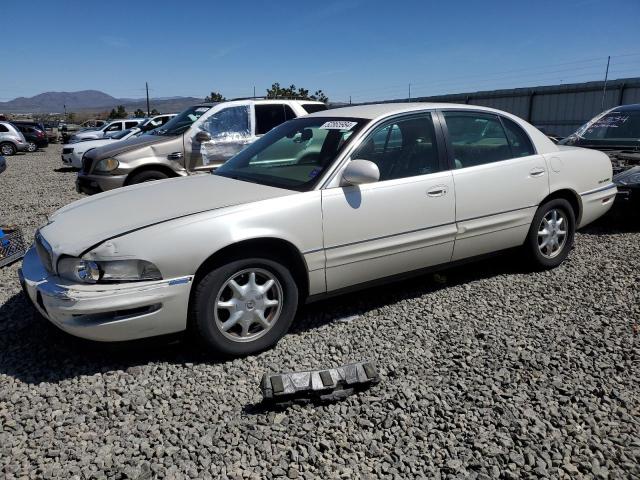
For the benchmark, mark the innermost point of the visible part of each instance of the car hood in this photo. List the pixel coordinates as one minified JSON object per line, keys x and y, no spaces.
{"x":111,"y":150}
{"x":83,"y":224}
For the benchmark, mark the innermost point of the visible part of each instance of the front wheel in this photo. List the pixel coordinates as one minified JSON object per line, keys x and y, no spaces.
{"x":551,"y":234}
{"x":147,"y":176}
{"x":31,"y":147}
{"x":244,"y":306}
{"x":8,"y":149}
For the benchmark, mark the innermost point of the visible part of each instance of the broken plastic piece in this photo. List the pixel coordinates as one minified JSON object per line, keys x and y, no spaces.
{"x":324,"y":385}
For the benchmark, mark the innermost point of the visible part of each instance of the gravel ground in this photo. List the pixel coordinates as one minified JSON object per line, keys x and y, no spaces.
{"x":488,"y":371}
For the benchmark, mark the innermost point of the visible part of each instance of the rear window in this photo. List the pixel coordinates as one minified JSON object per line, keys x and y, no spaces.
{"x":314,"y":107}
{"x":3,"y":128}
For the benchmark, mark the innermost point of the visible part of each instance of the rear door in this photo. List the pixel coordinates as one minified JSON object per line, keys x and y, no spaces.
{"x":499,"y":181}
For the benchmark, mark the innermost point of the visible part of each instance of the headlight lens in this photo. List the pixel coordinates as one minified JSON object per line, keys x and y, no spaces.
{"x":89,"y":271}
{"x":106,"y":165}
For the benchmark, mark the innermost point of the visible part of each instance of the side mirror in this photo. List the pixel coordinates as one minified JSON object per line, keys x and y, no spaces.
{"x":202,"y":136}
{"x":358,"y":172}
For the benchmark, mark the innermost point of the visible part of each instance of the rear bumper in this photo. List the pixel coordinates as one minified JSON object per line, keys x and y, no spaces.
{"x":109,"y":313}
{"x":91,"y":184}
{"x":597,"y":202}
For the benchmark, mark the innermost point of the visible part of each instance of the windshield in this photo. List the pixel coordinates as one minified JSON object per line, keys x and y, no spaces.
{"x":122,"y":134}
{"x":181,"y":122}
{"x":613,"y":126}
{"x":293,"y":155}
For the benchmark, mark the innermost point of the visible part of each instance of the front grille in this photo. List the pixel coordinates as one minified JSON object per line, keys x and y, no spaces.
{"x":87,"y":163}
{"x":67,"y":150}
{"x":44,"y":252}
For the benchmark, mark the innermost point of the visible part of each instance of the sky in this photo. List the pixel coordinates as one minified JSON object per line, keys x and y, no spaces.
{"x":358,"y":49}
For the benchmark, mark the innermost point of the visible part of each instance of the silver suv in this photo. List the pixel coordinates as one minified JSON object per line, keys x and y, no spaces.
{"x":11,"y":139}
{"x":201,"y":138}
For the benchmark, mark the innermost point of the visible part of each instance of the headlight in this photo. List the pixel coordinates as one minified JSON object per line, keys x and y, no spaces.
{"x":89,"y":271}
{"x":106,"y":165}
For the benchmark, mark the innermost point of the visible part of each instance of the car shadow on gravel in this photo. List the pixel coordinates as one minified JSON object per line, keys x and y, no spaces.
{"x":32,"y":350}
{"x":65,"y":170}
{"x":346,"y":306}
{"x":618,"y":220}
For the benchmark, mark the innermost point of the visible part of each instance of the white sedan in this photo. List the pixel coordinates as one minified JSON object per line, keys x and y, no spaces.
{"x":72,"y":152}
{"x":331,"y":201}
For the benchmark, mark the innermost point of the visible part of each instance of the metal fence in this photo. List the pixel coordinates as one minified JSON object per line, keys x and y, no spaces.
{"x":557,"y":109}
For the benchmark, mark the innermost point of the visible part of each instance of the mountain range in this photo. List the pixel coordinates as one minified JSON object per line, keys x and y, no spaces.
{"x":90,"y":100}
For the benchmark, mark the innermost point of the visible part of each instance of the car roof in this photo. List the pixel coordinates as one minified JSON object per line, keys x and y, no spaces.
{"x":377,"y":110}
{"x":627,"y":108}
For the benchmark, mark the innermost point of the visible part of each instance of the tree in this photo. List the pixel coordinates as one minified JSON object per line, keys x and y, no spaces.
{"x":154,"y":112}
{"x":214,"y":97}
{"x":139,"y":113}
{"x":276,"y":91}
{"x":120,"y":112}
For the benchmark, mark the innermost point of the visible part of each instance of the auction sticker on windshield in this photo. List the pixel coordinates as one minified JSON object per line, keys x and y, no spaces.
{"x":338,"y":125}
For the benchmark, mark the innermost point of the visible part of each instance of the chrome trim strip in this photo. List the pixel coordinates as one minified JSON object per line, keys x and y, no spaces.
{"x":609,"y":186}
{"x":388,"y":236}
{"x":497,"y":213}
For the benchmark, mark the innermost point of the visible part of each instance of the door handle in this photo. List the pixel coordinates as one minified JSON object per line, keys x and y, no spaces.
{"x":537,"y":172}
{"x":438,"y":191}
{"x":175,"y":156}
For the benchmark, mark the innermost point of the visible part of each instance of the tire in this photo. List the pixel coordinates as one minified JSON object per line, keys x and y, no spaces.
{"x":31,"y":147}
{"x":8,"y":149}
{"x":246,"y":334}
{"x":147,"y":176}
{"x":550,"y":249}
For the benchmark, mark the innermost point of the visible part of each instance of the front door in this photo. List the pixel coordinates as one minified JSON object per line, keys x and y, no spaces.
{"x":499,"y":181}
{"x":230,"y":131}
{"x":403,"y":222}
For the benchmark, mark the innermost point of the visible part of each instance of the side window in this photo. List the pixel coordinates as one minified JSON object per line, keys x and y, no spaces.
{"x":129,"y":125}
{"x":268,"y":117}
{"x":477,"y":138}
{"x":3,"y":128}
{"x":115,"y":127}
{"x":402,"y":148}
{"x":230,"y":123}
{"x":518,"y":140}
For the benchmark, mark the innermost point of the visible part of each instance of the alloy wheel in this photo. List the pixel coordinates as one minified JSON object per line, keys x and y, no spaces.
{"x":7,"y":149}
{"x":31,"y":147}
{"x":248,"y":305}
{"x":552,"y":233}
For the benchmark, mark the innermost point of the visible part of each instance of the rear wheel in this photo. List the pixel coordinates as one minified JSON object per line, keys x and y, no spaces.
{"x":244,"y":306}
{"x":8,"y":149}
{"x":31,"y":147}
{"x":551,"y":234}
{"x":147,"y":176}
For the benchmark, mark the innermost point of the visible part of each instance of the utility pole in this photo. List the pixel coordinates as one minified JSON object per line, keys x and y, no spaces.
{"x":409,"y":91}
{"x":349,"y":99}
{"x":604,"y":89}
{"x":254,"y":91}
{"x":148,"y":109}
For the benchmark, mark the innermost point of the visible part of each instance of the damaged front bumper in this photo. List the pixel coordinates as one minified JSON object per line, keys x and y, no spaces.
{"x":107,"y":312}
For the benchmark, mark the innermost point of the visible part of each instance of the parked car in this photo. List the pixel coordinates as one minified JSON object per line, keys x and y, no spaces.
{"x":199,"y":139}
{"x":3,"y":164}
{"x":72,"y":153}
{"x":11,"y":139}
{"x":35,"y":137}
{"x":155,"y":122}
{"x":68,"y":130}
{"x":320,"y":204}
{"x":111,"y":127}
{"x":616,"y":132}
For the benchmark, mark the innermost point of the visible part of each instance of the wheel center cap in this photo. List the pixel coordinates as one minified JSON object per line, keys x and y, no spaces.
{"x":250,"y":305}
